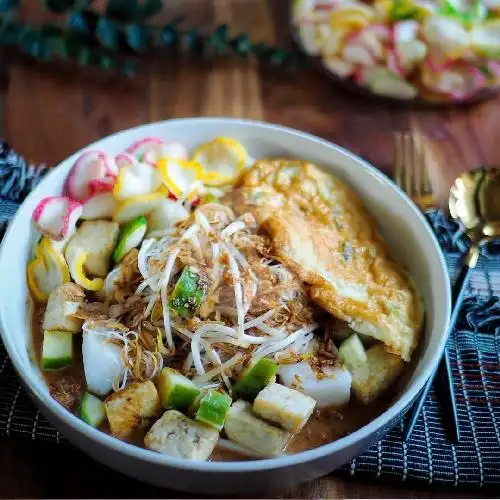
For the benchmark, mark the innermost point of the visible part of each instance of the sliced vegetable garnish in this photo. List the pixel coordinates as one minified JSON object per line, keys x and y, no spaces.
{"x":180,"y":176}
{"x":57,"y":350}
{"x":125,"y":160}
{"x":402,"y":9}
{"x":90,"y":166}
{"x":213,"y":409}
{"x":138,"y":205}
{"x":147,"y":150}
{"x":174,"y":150}
{"x":350,"y":16}
{"x":137,"y":180}
{"x":56,"y":216}
{"x":176,"y":391}
{"x":46,"y":271}
{"x":255,"y":378}
{"x":76,"y":261}
{"x":92,"y":410}
{"x":189,"y":292}
{"x":100,"y":206}
{"x":221,"y":159}
{"x":130,"y":237}
{"x":384,"y":82}
{"x":352,"y":353}
{"x":168,"y":213}
{"x":486,"y":39}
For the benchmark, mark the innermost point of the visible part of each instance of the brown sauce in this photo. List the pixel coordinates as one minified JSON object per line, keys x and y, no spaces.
{"x":325,"y":426}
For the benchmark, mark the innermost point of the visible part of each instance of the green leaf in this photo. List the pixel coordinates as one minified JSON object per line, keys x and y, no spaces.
{"x":122,"y":10}
{"x":106,"y":61}
{"x":107,"y":33}
{"x":138,"y":37}
{"x":278,"y":57}
{"x":262,"y":51}
{"x":219,"y":39}
{"x":84,"y":57}
{"x":241,"y":44}
{"x":128,"y":68}
{"x":194,"y":41}
{"x":8,"y":5}
{"x":77,"y":22}
{"x":169,"y":35}
{"x":10,"y":33}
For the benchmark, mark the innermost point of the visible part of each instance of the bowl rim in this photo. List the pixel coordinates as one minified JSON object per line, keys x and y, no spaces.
{"x":364,"y":433}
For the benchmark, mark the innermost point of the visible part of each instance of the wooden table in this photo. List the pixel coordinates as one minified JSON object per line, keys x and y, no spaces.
{"x":46,"y":114}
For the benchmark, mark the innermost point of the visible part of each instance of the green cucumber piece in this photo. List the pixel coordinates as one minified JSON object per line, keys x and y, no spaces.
{"x":92,"y":410}
{"x":255,"y":378}
{"x":130,"y":237}
{"x":57,"y":350}
{"x":352,"y":353}
{"x":189,"y":292}
{"x":176,"y":391}
{"x":213,"y":409}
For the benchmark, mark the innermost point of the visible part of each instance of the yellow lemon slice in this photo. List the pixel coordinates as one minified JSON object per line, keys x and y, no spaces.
{"x":136,"y":180}
{"x":46,"y":271}
{"x":222,"y":160}
{"x":77,"y":260}
{"x":136,"y":206}
{"x":347,"y":21}
{"x":180,"y":176}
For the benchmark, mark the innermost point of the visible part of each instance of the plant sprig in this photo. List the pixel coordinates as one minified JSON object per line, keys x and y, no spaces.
{"x":113,"y":39}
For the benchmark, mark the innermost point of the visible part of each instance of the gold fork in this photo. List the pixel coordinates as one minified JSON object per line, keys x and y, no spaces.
{"x":410,"y":169}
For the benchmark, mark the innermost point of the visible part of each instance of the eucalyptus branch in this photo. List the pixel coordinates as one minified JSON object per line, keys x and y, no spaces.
{"x":110,"y":40}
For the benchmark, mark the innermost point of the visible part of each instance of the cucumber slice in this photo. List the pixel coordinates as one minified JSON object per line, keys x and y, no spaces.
{"x":352,"y":353}
{"x":92,"y":410}
{"x":57,"y":350}
{"x":189,"y":292}
{"x":176,"y":391}
{"x":130,"y":237}
{"x":213,"y":409}
{"x":255,"y":378}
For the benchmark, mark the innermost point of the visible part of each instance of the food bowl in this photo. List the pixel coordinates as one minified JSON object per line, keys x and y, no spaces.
{"x":412,"y":52}
{"x":400,"y":222}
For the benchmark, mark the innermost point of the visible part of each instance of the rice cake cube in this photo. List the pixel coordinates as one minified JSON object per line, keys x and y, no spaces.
{"x":176,"y":435}
{"x":288,"y":408}
{"x":381,"y":370}
{"x":98,"y":238}
{"x":249,"y":431}
{"x":130,"y":408}
{"x":63,"y":302}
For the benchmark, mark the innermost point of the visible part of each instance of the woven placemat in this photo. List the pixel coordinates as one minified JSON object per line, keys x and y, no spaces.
{"x":428,"y":458}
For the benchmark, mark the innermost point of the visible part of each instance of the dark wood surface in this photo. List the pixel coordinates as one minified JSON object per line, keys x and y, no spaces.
{"x":47,"y":113}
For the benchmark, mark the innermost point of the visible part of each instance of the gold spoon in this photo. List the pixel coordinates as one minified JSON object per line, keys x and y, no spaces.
{"x":475,"y":202}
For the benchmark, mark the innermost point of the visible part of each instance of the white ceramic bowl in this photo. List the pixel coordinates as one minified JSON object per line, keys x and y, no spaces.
{"x":400,"y":222}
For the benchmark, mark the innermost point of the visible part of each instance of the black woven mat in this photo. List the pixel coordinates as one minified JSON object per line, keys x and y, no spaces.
{"x":428,"y":458}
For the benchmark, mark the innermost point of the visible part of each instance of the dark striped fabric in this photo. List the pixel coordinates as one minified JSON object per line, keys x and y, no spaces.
{"x":428,"y":459}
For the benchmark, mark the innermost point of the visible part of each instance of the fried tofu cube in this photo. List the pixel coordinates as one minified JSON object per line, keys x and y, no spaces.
{"x":249,"y":431}
{"x":63,"y":302}
{"x":381,"y":371}
{"x":285,"y":407}
{"x":98,"y":238}
{"x":176,"y":435}
{"x":130,"y":408}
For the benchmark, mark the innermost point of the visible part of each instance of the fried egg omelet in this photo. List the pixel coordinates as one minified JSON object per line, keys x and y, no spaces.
{"x":321,"y":230}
